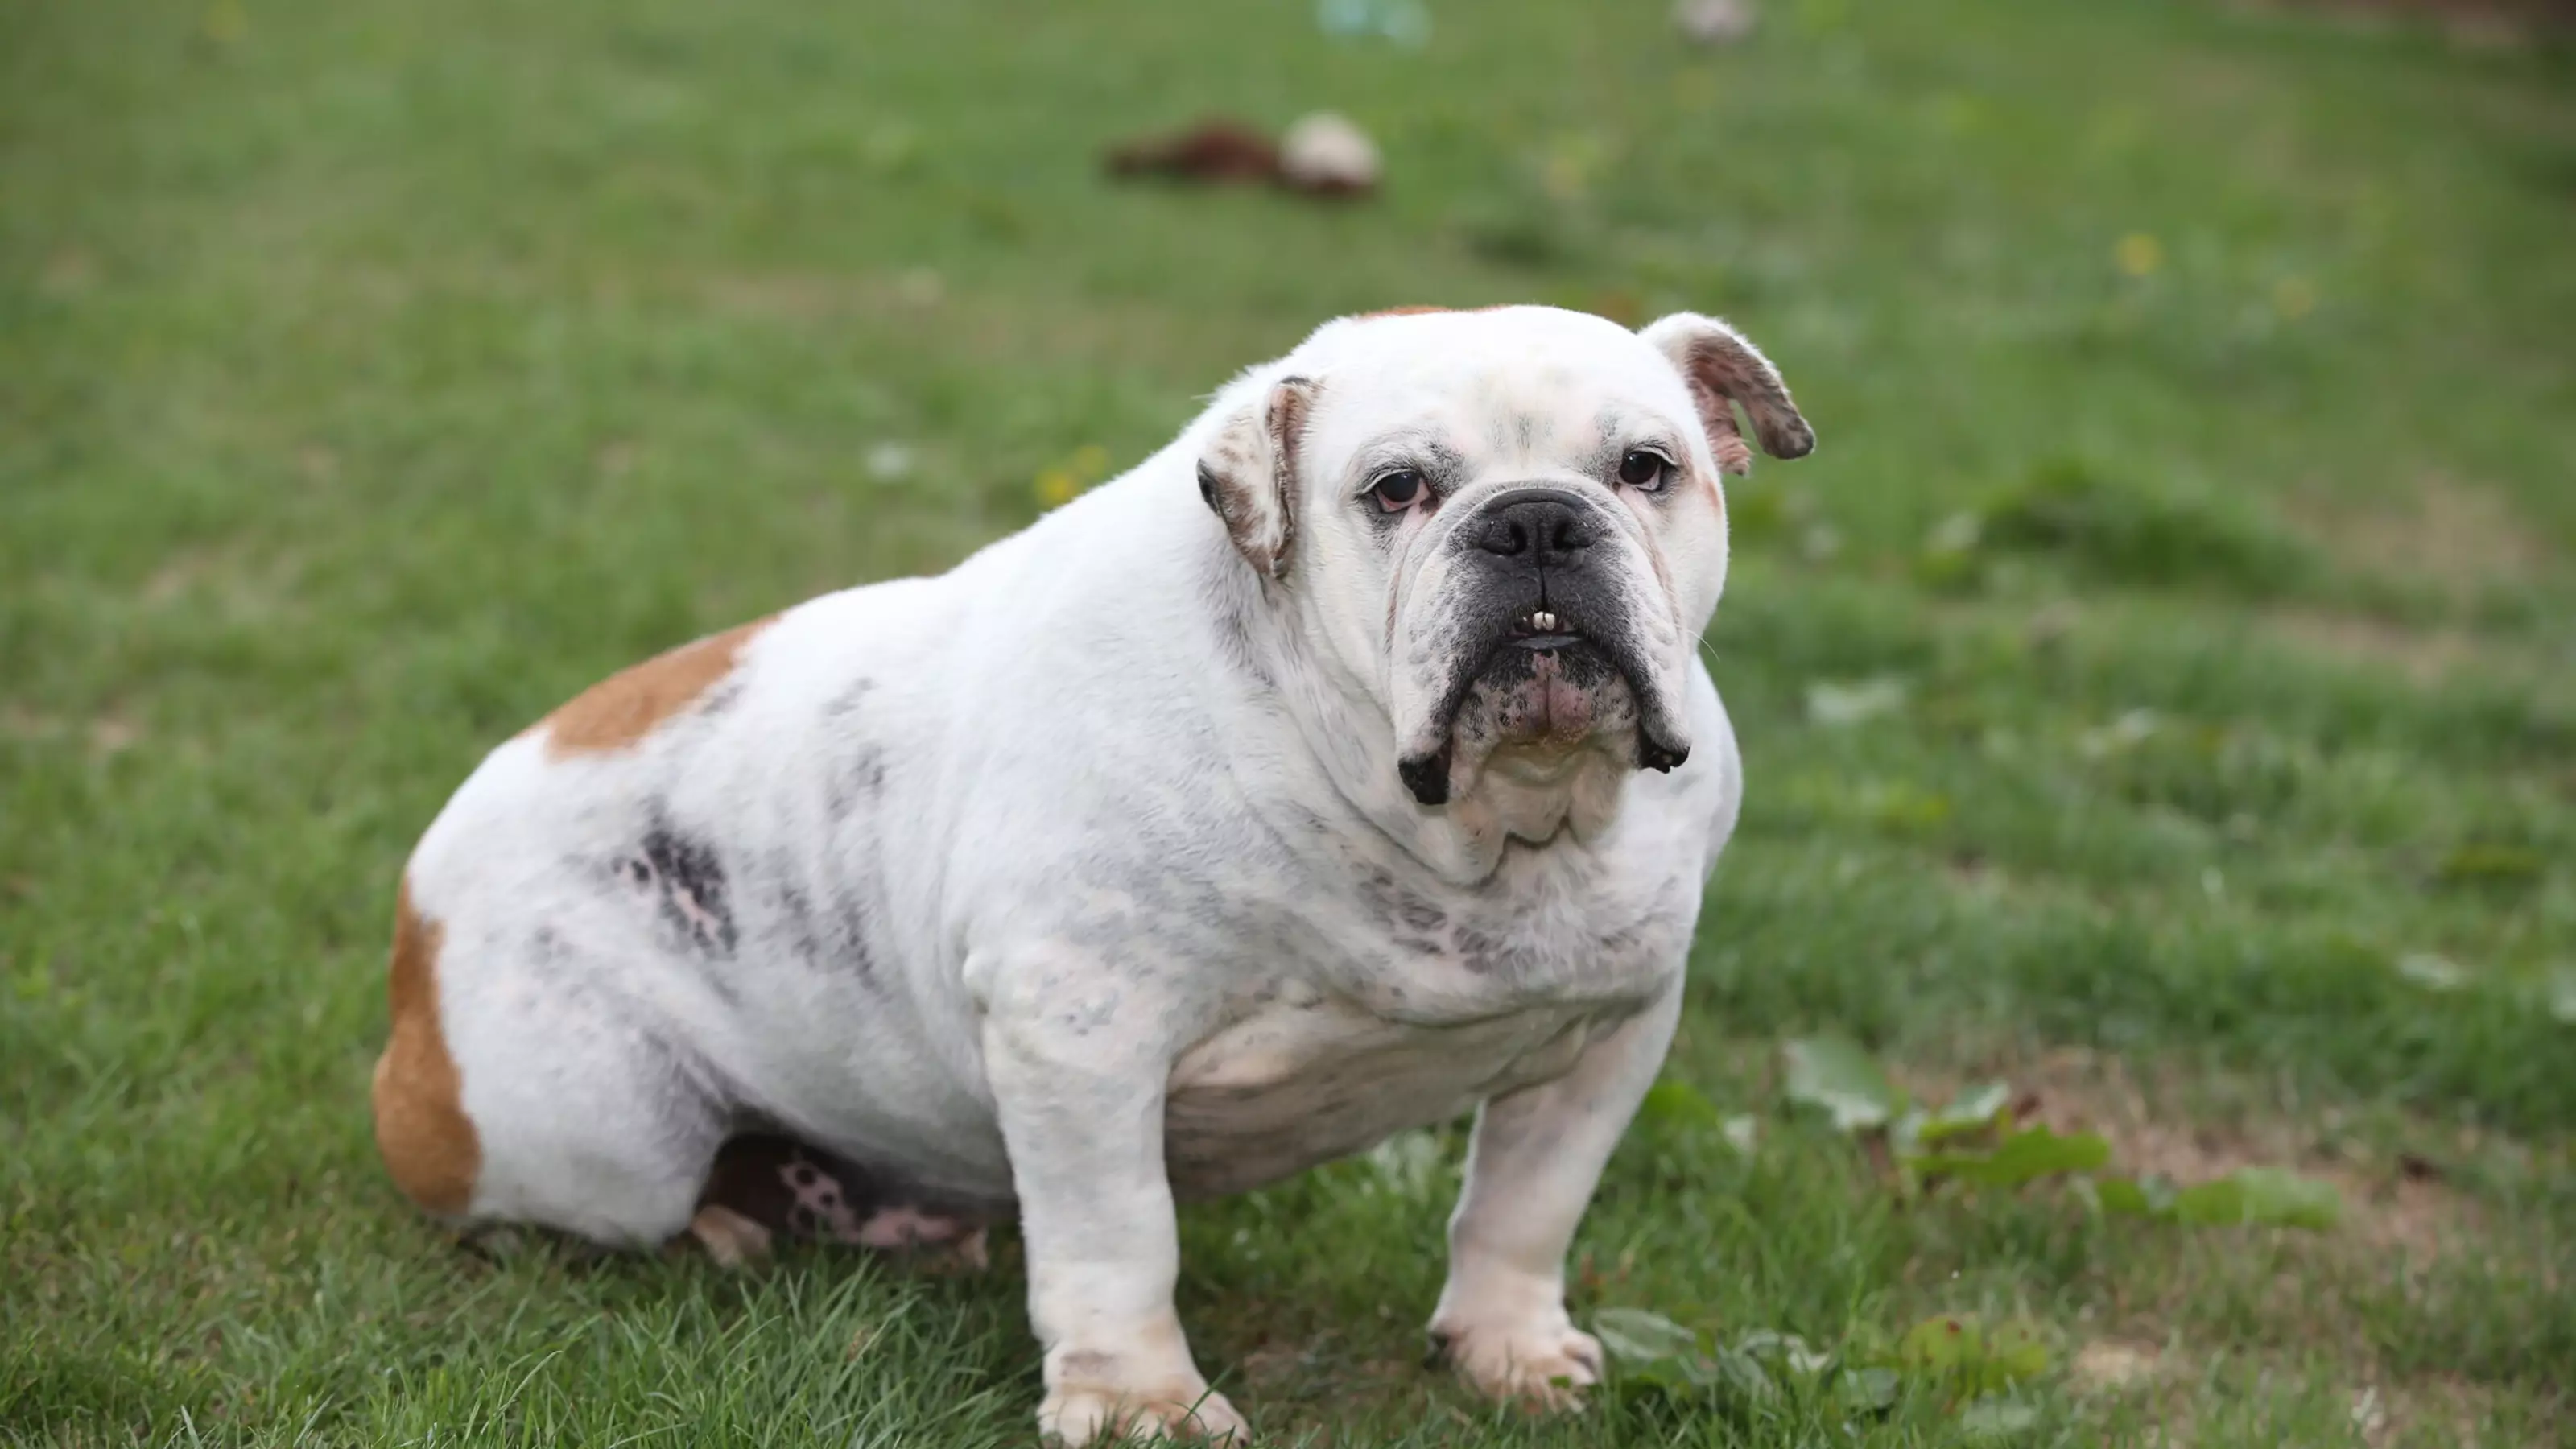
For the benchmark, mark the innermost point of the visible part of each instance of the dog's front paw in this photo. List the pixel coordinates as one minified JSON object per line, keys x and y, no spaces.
{"x":1085,"y":1404}
{"x":1542,"y":1361}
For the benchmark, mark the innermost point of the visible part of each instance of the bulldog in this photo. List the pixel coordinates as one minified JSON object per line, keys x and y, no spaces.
{"x":1346,"y":766}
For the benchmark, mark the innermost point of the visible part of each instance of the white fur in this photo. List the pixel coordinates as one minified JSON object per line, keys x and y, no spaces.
{"x":1113,"y":822}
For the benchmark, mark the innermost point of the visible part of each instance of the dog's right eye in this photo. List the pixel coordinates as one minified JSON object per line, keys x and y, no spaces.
{"x":1397,"y":491}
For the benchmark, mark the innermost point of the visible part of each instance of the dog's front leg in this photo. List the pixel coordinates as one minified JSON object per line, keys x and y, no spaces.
{"x":1078,"y":1078}
{"x":1530,"y":1173}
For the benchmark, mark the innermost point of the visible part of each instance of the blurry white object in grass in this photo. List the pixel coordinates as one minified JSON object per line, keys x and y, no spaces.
{"x":1715,"y":22}
{"x":890,"y":462}
{"x":1833,"y":703}
{"x":2433,"y":973}
{"x":1325,"y":152}
{"x":1405,"y":22}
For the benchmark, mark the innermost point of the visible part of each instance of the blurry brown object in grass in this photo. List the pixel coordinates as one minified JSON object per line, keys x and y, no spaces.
{"x":1322,"y":155}
{"x":1214,"y":150}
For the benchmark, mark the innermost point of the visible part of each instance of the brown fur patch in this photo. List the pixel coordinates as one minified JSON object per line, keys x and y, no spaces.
{"x":622,"y":709}
{"x":422,"y":1131}
{"x":1415,"y":311}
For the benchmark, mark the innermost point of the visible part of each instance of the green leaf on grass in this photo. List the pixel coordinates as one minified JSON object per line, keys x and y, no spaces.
{"x":1990,"y":1420}
{"x":1636,"y":1337}
{"x":1833,"y":1073}
{"x":1961,"y":1350}
{"x":1741,"y":1374}
{"x":1678,"y":1104}
{"x":1975,"y":1110}
{"x":1783,"y":1352}
{"x":1940,"y":1345}
{"x":2265,"y":1196}
{"x":2022,"y":1157}
{"x":2480,"y":862}
{"x":2143,"y":1197}
{"x":2014,"y":1352}
{"x":1869,"y":1390}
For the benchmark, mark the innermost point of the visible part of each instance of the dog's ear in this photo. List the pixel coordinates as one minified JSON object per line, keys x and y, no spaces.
{"x":1249,"y":473}
{"x":1721,"y":366}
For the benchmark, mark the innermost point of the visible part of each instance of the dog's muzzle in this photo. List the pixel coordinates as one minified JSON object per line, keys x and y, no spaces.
{"x":1546,"y":652}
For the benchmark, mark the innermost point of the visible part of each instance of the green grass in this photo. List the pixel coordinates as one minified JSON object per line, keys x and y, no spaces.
{"x":372,"y":376}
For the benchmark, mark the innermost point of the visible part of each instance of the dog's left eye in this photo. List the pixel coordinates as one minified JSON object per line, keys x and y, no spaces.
{"x":1644,"y":468}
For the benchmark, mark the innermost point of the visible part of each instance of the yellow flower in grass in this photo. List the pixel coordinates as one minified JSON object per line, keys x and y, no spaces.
{"x":2139,"y":255}
{"x":1057,"y":485}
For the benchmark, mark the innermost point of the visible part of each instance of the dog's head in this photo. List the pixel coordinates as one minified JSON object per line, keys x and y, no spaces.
{"x":1504,"y":525}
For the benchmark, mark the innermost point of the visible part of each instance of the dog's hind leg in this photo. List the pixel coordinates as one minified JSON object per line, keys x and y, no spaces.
{"x":514,"y":1091}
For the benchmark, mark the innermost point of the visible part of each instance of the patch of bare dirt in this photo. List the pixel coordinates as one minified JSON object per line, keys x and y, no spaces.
{"x":2458,"y":536}
{"x":2402,"y":1203}
{"x":2424,"y":656}
{"x":2113,"y":1367}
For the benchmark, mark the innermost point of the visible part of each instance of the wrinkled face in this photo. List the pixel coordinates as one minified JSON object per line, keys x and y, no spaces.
{"x":1509,"y":526}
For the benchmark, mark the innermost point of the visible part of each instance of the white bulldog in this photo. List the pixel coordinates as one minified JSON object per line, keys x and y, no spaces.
{"x":1346,"y":765}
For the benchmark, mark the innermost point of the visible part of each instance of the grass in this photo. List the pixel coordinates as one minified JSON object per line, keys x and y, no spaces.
{"x":2194,"y":515}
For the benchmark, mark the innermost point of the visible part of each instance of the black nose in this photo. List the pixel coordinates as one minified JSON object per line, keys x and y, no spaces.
{"x":1546,"y":526}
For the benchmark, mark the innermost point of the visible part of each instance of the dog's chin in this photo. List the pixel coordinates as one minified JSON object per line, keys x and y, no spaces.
{"x":1538,"y":711}
{"x":1542,"y":701}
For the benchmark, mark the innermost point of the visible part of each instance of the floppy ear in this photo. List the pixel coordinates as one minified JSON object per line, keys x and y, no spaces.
{"x":1721,"y":366}
{"x":1249,"y":474}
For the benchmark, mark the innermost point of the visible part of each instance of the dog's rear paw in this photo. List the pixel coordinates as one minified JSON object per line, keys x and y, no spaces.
{"x":734,"y":1241}
{"x":1542,"y":1365}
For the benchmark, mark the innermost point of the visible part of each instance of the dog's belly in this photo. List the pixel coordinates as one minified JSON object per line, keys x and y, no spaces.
{"x":1301,"y":1083}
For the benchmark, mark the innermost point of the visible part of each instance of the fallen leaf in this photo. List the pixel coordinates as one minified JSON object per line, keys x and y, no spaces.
{"x":2020,"y":1158}
{"x":1677,"y":1103}
{"x":1834,"y":1073}
{"x":1638,"y":1336}
{"x":1990,"y":1420}
{"x":2263,"y":1196}
{"x":1974,"y":1110}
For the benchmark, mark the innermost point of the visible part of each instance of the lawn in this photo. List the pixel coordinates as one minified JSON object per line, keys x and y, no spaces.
{"x":2159,"y":692}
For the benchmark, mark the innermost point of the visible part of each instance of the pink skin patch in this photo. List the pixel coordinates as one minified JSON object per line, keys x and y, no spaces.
{"x":1549,"y":710}
{"x":793,"y":1190}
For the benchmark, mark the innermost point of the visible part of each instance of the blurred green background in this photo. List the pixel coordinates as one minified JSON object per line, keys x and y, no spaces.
{"x":2156,"y":691}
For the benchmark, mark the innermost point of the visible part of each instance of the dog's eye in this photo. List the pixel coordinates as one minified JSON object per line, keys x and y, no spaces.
{"x":1643,"y":468}
{"x":1397,"y":491}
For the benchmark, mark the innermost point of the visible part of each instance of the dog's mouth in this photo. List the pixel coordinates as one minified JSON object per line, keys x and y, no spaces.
{"x":1540,"y":694}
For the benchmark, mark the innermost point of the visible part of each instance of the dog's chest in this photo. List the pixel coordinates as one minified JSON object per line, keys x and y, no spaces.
{"x":1307,"y":1078}
{"x":1409,"y":1010}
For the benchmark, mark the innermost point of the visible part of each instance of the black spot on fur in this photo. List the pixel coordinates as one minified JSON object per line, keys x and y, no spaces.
{"x":1427,"y":776}
{"x":691,"y":884}
{"x":723,"y":697}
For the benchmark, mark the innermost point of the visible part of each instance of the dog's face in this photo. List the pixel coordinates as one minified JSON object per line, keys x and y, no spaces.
{"x":1506,"y":526}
